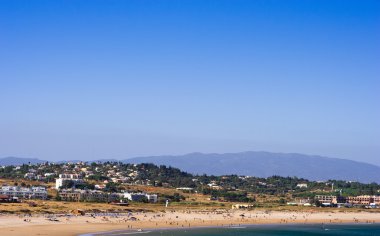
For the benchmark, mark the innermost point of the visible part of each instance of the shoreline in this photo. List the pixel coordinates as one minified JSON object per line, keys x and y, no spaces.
{"x":148,"y":230}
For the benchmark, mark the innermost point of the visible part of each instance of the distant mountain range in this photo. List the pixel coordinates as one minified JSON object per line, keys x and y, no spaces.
{"x":260,"y":164}
{"x":7,"y":161}
{"x":265,"y":164}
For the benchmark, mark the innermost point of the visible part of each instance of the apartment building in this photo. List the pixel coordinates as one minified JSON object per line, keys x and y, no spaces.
{"x":358,"y":200}
{"x":364,"y":200}
{"x":78,"y":195}
{"x":23,"y":192}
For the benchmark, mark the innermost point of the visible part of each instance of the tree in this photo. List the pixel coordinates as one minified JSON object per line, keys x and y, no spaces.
{"x":57,"y":197}
{"x":111,"y":187}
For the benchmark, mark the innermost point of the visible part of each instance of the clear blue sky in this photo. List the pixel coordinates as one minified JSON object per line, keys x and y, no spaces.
{"x":117,"y":79}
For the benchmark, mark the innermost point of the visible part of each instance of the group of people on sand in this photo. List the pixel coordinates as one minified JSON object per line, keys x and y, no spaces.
{"x":190,"y":218}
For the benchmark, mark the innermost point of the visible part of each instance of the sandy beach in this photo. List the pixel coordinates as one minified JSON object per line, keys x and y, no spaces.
{"x":61,"y":225}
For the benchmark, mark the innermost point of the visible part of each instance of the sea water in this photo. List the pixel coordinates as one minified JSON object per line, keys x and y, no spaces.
{"x":267,"y":230}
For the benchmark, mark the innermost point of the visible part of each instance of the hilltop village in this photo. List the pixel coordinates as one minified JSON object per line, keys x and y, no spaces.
{"x":122,"y":184}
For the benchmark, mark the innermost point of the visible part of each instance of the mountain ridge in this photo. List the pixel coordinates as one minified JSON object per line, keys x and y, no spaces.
{"x":265,"y":164}
{"x":19,"y":161}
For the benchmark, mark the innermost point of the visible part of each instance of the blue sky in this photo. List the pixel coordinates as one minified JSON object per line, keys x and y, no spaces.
{"x":117,"y":79}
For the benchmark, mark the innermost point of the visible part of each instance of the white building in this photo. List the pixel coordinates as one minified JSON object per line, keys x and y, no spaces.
{"x":139,"y":196}
{"x":24,"y":193}
{"x":67,"y":177}
{"x":185,"y":189}
{"x":30,"y":175}
{"x":152,"y":197}
{"x":302,"y":185}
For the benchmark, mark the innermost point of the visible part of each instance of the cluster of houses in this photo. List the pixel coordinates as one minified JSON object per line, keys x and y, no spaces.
{"x":112,"y":171}
{"x":95,"y":195}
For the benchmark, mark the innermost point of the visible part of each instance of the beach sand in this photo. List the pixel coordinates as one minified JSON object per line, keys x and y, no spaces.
{"x":75,"y":225}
